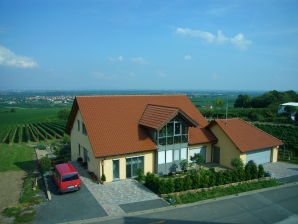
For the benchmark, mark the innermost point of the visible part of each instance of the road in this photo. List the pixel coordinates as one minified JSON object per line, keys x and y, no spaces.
{"x":273,"y":206}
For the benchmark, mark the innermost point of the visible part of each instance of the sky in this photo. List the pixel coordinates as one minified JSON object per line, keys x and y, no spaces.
{"x":158,"y":45}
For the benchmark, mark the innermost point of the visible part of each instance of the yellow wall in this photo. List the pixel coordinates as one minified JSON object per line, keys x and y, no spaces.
{"x":108,"y":164}
{"x":228,"y":150}
{"x":77,"y":137}
{"x":274,"y":154}
{"x":208,"y":151}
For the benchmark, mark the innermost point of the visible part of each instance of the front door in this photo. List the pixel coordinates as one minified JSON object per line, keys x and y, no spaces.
{"x":116,"y":169}
{"x":85,"y":155}
{"x":216,"y":154}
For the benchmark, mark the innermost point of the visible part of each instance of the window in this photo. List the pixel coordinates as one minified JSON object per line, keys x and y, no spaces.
{"x":177,"y":128}
{"x":78,"y":125}
{"x":169,"y":156}
{"x":175,"y":132}
{"x":133,"y":164}
{"x":79,"y":146}
{"x":176,"y":154}
{"x":161,"y":157}
{"x":183,"y":154}
{"x":70,"y":177}
{"x":84,"y":129}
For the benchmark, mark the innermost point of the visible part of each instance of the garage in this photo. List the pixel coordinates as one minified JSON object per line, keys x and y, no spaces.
{"x":259,"y":156}
{"x":200,"y":150}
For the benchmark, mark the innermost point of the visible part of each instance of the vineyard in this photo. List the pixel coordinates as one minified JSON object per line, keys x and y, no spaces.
{"x":32,"y":132}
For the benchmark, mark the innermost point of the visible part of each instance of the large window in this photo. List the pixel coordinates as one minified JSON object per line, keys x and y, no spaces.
{"x":133,"y":164}
{"x":183,"y":154}
{"x":169,"y":156}
{"x":175,"y":132}
{"x":84,"y":129}
{"x":78,"y":125}
{"x":161,"y":157}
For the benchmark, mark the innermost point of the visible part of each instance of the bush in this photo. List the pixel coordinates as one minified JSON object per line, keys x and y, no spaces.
{"x":187,"y":183}
{"x":45,"y":164}
{"x":170,"y":186}
{"x":237,"y":163}
{"x":251,"y":171}
{"x":152,"y":182}
{"x":162,"y":187}
{"x":140,"y":175}
{"x":103,"y":178}
{"x":198,"y":159}
{"x":261,"y":171}
{"x":179,"y":185}
{"x":184,"y":165}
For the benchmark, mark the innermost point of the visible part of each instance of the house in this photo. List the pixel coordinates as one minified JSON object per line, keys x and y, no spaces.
{"x":281,"y":109}
{"x":237,"y":138}
{"x":116,"y":135}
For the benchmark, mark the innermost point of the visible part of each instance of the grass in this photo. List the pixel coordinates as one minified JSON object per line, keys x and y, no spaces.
{"x":16,"y":157}
{"x":21,"y":215}
{"x":29,"y":194}
{"x":219,"y":192}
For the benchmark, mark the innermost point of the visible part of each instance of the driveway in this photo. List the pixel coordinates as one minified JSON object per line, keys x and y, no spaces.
{"x":68,"y":207}
{"x":285,"y":172}
{"x":121,"y":197}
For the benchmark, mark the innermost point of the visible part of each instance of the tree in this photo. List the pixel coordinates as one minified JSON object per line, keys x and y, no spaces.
{"x":63,"y":114}
{"x":243,"y":101}
{"x":219,"y":103}
{"x":12,"y":110}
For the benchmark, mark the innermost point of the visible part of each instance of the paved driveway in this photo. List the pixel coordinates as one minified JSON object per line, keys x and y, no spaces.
{"x":282,"y":171}
{"x":68,"y":207}
{"x":123,"y":196}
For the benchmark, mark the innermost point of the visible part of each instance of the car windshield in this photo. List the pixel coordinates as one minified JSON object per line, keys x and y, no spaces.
{"x":69,"y":177}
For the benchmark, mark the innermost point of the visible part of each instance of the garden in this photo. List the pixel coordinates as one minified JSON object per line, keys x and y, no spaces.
{"x":199,"y":180}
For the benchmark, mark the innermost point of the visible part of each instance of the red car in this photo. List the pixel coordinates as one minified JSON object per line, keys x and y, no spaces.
{"x":67,"y":178}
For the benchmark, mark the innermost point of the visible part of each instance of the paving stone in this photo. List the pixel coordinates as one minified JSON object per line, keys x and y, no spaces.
{"x":281,"y":170}
{"x":113,"y":194}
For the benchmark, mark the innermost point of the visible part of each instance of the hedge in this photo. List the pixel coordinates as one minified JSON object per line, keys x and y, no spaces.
{"x":195,"y":179}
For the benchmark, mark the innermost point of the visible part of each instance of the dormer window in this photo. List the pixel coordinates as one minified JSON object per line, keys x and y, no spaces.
{"x":169,"y":123}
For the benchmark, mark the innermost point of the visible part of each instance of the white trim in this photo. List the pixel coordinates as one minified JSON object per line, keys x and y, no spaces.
{"x":134,"y":157}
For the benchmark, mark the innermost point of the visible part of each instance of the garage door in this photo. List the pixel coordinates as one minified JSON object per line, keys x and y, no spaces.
{"x":199,"y":150}
{"x":259,"y":156}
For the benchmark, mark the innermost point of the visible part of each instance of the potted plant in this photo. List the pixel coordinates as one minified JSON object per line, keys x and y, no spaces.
{"x":103,"y":179}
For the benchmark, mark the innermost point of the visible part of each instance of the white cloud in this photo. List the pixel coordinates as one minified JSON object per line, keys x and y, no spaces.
{"x":187,"y":57}
{"x":117,"y":59}
{"x":139,"y":60}
{"x":9,"y":58}
{"x":238,"y":40}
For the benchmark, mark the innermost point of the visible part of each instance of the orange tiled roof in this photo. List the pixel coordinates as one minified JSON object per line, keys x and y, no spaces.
{"x":112,"y":122}
{"x":245,"y":136}
{"x":157,"y":116}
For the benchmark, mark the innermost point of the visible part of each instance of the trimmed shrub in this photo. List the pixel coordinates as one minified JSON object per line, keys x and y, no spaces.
{"x":162,"y":187}
{"x":187,"y":183}
{"x":152,"y":182}
{"x":261,"y":171}
{"x":170,"y":186}
{"x":140,"y":175}
{"x":179,"y":184}
{"x":251,"y":171}
{"x":237,"y":163}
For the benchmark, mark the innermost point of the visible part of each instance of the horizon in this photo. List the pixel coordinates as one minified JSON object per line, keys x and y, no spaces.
{"x":140,"y":45}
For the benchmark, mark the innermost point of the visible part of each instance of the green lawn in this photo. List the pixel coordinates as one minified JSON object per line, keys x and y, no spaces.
{"x":219,"y":192}
{"x":16,"y":157}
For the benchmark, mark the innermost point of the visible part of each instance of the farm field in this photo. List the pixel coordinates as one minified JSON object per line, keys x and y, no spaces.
{"x":29,"y":124}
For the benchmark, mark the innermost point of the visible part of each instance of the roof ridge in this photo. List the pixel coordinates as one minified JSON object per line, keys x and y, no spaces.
{"x":149,"y":104}
{"x":133,"y":95}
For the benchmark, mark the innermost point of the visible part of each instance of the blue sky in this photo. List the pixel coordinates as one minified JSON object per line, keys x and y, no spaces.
{"x":204,"y":45}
